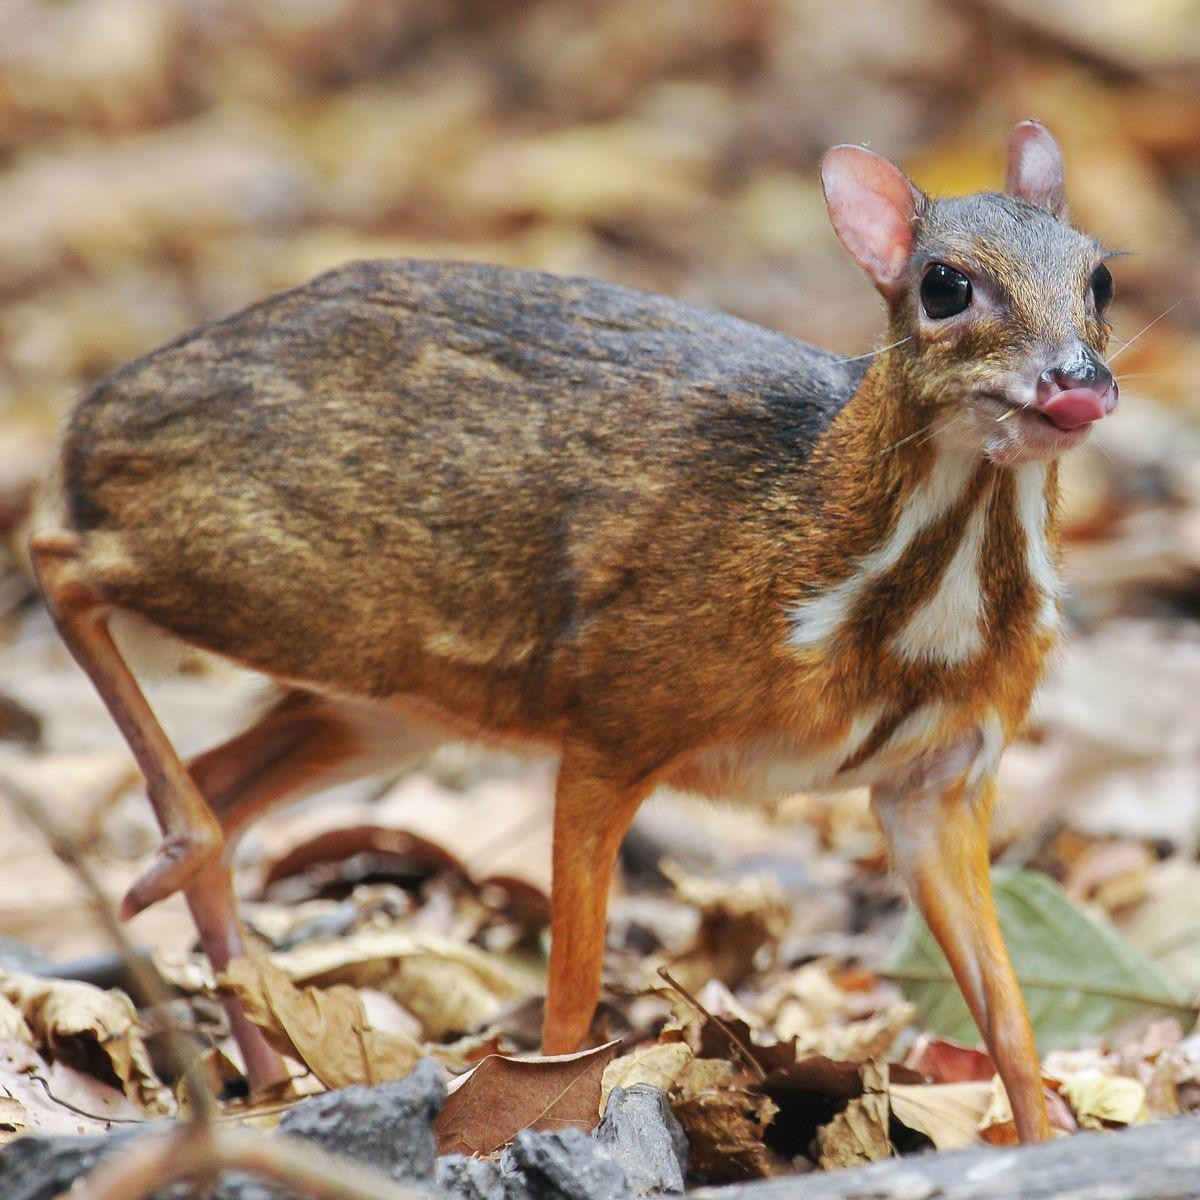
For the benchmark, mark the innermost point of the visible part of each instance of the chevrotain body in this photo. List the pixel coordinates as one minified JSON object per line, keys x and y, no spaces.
{"x":440,"y":501}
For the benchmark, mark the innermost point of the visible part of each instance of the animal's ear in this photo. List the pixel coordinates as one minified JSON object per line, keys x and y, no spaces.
{"x":1035,"y":168}
{"x":874,"y":210}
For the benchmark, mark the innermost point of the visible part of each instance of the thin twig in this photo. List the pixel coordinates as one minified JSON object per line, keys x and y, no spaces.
{"x":735,"y":1041}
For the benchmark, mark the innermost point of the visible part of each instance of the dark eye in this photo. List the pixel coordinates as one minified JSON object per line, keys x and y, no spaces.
{"x":945,"y":292}
{"x":1102,"y":287}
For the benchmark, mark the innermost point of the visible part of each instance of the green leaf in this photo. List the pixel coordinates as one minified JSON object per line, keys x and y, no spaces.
{"x":1078,"y":974}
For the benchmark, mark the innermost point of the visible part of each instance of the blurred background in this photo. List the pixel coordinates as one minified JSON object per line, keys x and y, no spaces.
{"x":163,"y":162}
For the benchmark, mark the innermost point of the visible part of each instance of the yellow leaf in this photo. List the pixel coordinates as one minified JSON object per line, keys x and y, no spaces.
{"x":1103,"y":1100}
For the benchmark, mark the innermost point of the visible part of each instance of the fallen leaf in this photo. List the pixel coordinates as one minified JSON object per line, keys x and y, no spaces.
{"x":13,"y":1119}
{"x":660,"y":1065}
{"x":1100,"y":1101}
{"x":859,"y":1134}
{"x":500,"y":1097}
{"x":948,"y":1114}
{"x":1078,"y":975}
{"x":996,"y":1126}
{"x":725,"y":1130}
{"x":57,"y":1098}
{"x":943,"y":1060}
{"x":326,"y":1028}
{"x":449,"y":986}
{"x":738,"y":922}
{"x":496,"y":831}
{"x":13,"y":1023}
{"x":94,"y":1030}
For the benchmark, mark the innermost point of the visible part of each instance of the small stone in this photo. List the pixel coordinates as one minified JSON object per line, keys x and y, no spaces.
{"x":387,"y":1127}
{"x":646,"y":1139}
{"x":567,"y":1165}
{"x":470,"y":1178}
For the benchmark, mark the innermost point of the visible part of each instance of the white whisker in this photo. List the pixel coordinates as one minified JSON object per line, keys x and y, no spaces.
{"x":872,"y":353}
{"x":1113,"y":358}
{"x":907,"y":438}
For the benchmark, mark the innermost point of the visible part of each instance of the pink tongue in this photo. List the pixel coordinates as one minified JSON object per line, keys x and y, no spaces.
{"x":1070,"y":409}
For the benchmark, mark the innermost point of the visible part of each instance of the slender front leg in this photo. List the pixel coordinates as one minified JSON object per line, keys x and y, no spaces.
{"x":936,"y":827}
{"x":591,"y":815}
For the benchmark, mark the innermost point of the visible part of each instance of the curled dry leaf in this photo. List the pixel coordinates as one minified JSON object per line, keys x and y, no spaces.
{"x":55,"y":1098}
{"x":997,"y":1126}
{"x":13,"y":1023}
{"x":490,"y":1105}
{"x":94,"y":1030}
{"x":660,"y":1065}
{"x":325,"y":1028}
{"x":859,"y":1134}
{"x":738,"y":921}
{"x":450,"y":987}
{"x":813,"y":1006}
{"x":725,"y":1129}
{"x":495,"y":832}
{"x":943,"y":1060}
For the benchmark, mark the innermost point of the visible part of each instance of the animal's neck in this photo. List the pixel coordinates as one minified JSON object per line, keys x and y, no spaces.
{"x":942,"y":552}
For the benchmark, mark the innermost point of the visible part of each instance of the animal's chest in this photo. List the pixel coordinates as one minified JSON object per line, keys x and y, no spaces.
{"x":936,"y":634}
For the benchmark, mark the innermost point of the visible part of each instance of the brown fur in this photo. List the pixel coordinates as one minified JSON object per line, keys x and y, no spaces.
{"x":502,"y":505}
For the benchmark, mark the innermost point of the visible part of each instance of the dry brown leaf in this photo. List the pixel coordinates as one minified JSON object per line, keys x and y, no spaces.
{"x":94,"y":1030}
{"x":497,"y":831}
{"x":943,"y":1060}
{"x":859,"y":1134}
{"x":738,"y":921}
{"x":997,"y":1127}
{"x":502,"y":1096}
{"x":325,"y":1028}
{"x":14,"y":1120}
{"x":827,"y":1019}
{"x":13,"y":1023}
{"x":725,"y":1129}
{"x":948,"y":1114}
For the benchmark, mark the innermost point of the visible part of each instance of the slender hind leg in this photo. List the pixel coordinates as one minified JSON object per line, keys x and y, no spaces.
{"x":191,"y":835}
{"x":591,"y":815}
{"x":303,"y":744}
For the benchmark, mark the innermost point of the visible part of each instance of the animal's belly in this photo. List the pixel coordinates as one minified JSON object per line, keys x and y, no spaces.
{"x":873,"y":748}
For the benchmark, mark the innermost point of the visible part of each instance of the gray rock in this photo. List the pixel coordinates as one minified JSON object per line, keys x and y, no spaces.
{"x":477,"y":1179}
{"x":567,"y":1165}
{"x":645,"y":1137}
{"x":387,"y":1127}
{"x":40,"y":1168}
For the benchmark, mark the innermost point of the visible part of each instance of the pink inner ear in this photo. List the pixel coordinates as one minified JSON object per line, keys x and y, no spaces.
{"x":1035,"y":167}
{"x":873,"y":207}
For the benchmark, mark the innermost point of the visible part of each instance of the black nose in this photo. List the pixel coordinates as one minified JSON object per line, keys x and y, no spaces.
{"x":1082,"y":371}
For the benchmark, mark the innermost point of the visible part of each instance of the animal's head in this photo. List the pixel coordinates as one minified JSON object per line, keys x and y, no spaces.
{"x":1000,"y":302}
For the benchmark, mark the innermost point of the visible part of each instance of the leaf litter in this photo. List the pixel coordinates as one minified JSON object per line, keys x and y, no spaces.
{"x":672,"y":148}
